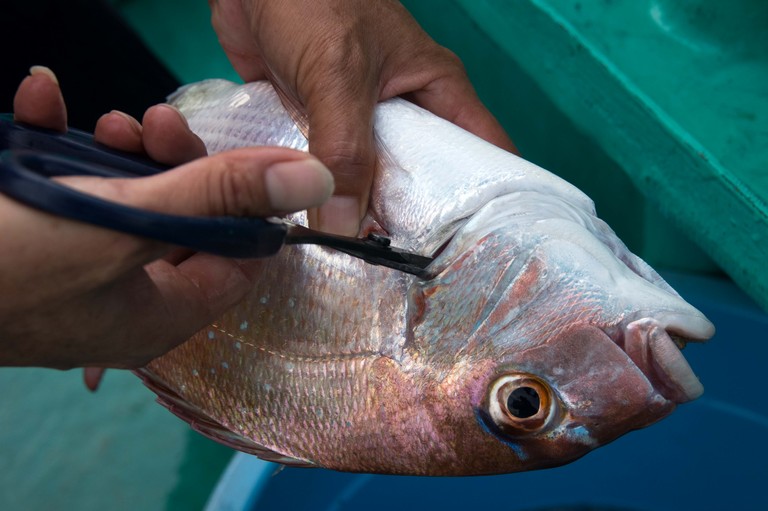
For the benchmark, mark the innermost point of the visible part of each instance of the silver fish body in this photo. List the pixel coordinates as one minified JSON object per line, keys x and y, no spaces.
{"x":538,"y":337}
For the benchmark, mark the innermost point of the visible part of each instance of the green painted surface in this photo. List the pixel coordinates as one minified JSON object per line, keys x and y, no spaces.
{"x":180,"y":33}
{"x":62,"y":447}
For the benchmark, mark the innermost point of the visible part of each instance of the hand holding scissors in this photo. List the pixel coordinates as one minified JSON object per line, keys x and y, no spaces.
{"x":72,"y":294}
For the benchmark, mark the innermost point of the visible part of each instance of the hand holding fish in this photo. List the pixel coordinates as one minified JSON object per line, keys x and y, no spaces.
{"x":73,"y":295}
{"x":335,"y":59}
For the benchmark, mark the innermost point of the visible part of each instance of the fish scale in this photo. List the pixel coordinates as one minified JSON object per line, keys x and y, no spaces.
{"x":333,"y":362}
{"x":291,"y":358}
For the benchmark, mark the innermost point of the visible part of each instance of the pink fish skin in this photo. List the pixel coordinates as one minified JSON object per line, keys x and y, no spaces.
{"x":537,"y":338}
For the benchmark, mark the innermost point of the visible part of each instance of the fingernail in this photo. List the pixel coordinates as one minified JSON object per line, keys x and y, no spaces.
{"x":42,"y":70}
{"x":340,"y":215}
{"x":178,"y":112}
{"x":297,"y":185}
{"x":135,"y":125}
{"x":92,"y":377}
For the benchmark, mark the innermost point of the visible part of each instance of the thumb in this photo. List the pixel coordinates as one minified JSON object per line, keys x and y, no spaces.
{"x":260,"y":182}
{"x":341,"y":136}
{"x":255,"y":181}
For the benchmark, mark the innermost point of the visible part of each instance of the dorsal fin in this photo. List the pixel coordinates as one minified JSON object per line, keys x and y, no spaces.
{"x":209,"y":427}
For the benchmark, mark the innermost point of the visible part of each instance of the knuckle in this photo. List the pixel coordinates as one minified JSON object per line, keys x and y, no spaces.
{"x":448,"y":58}
{"x":340,"y":62}
{"x":233,"y":189}
{"x":342,"y":49}
{"x":453,"y":60}
{"x":346,"y":159}
{"x":450,"y":65}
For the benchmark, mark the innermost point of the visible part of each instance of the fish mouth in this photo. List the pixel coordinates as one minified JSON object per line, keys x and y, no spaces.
{"x":655,"y":345}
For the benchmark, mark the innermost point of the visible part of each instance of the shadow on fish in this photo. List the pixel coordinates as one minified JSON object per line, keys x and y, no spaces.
{"x":535,"y":338}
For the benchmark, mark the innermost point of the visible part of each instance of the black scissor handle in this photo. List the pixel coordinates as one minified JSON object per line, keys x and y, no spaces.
{"x":76,"y":144}
{"x":29,"y":157}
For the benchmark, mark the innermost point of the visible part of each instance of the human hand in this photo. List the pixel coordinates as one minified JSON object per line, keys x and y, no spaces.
{"x":336,"y":59}
{"x":73,"y":294}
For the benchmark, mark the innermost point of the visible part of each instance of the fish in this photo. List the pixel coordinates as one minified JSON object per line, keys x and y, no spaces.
{"x":535,"y":337}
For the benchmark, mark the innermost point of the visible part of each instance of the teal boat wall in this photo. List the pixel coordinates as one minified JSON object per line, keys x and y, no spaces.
{"x":655,"y":108}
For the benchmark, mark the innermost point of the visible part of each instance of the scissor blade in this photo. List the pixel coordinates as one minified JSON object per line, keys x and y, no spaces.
{"x":374,"y":249}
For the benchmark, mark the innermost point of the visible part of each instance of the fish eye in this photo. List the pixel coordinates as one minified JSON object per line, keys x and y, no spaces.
{"x":521,"y":404}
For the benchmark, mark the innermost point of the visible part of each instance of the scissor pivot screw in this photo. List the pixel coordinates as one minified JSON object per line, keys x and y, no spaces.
{"x":379,"y":239}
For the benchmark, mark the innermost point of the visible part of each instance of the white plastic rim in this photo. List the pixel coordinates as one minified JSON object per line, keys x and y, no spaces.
{"x":241,"y":483}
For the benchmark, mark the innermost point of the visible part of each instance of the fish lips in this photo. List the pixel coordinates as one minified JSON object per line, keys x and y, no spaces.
{"x":654,"y":345}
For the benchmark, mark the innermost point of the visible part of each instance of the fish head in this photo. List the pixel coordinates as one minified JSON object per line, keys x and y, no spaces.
{"x":553,"y":338}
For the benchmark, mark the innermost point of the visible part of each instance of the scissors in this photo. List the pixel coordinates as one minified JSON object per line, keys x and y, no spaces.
{"x":31,"y":156}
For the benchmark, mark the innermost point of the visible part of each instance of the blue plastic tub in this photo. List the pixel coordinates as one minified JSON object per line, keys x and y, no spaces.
{"x":711,"y":454}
